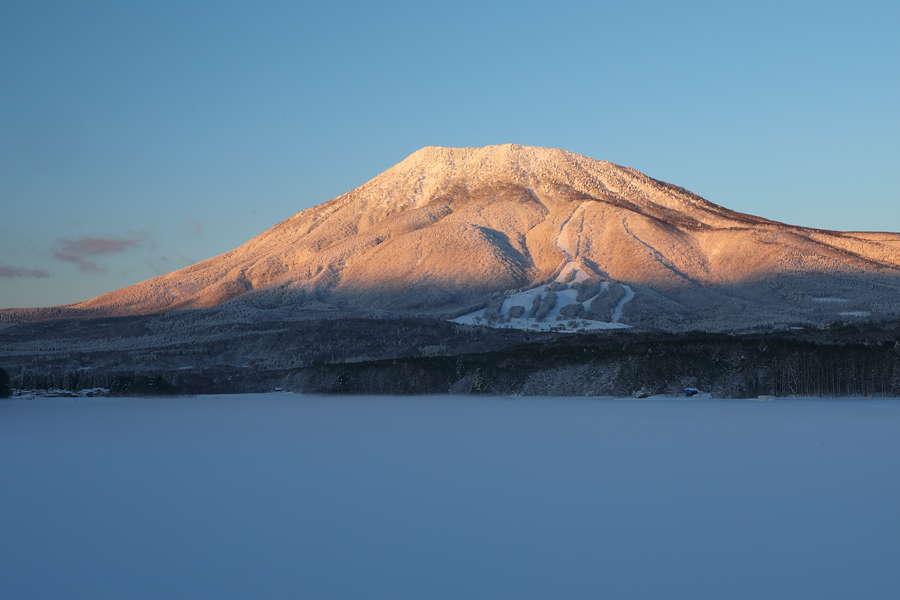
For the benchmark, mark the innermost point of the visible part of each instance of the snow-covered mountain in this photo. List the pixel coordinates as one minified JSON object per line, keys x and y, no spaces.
{"x":449,"y":229}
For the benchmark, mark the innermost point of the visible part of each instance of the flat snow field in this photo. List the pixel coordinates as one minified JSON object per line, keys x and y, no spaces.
{"x":306,"y":497}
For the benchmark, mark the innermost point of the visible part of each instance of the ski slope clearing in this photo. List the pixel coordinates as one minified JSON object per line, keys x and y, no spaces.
{"x":554,"y":318}
{"x":290,"y":496}
{"x":557,"y":306}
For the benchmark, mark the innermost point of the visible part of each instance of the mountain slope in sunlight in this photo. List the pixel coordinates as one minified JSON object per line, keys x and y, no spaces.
{"x":448,"y":229}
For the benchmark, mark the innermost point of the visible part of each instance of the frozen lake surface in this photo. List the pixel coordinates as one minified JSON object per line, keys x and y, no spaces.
{"x":304,"y":497}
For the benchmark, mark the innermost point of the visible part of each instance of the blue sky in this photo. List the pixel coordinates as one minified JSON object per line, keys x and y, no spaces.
{"x":137,"y":138}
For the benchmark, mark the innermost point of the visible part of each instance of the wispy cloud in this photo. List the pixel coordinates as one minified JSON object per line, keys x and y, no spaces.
{"x":8,"y":272}
{"x":162,"y":265}
{"x":81,"y":251}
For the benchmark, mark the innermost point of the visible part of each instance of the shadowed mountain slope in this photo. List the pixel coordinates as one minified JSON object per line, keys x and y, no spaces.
{"x":448,"y":227}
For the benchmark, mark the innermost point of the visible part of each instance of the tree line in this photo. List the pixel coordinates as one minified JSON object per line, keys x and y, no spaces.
{"x":120,"y":384}
{"x":427,"y":356}
{"x":726,"y":366}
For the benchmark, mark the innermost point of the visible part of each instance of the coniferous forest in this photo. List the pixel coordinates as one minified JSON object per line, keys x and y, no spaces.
{"x":181,"y":354}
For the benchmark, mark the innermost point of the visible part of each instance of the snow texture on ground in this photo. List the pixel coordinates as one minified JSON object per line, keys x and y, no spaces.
{"x":290,"y":496}
{"x":563,"y":298}
{"x":572,"y":272}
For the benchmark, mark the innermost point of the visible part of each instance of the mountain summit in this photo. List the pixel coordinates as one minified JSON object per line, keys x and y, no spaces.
{"x":450,"y":229}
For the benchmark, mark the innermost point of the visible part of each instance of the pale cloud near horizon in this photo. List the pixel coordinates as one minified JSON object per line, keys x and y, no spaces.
{"x":9,"y":272}
{"x":81,"y":251}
